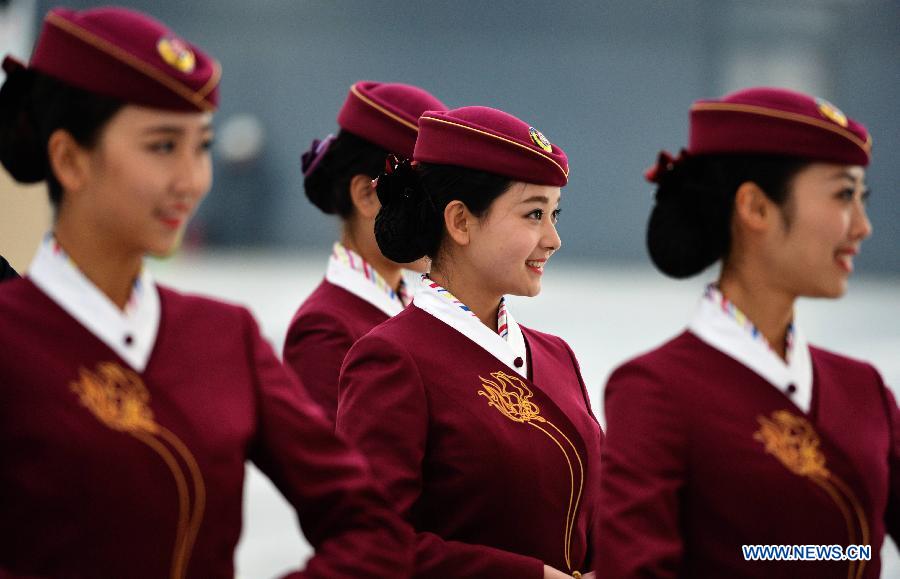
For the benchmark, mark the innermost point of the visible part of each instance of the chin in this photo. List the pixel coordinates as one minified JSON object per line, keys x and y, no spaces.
{"x":531,"y":290}
{"x":833,"y":290}
{"x":839,"y":291}
{"x":164,"y":248}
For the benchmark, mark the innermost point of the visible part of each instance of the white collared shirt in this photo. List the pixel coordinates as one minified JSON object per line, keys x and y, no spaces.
{"x":131,"y":333}
{"x":348,"y":270}
{"x":507,"y":350}
{"x":721,"y":331}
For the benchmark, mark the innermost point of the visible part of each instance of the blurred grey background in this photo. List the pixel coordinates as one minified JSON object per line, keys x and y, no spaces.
{"x":609,"y":81}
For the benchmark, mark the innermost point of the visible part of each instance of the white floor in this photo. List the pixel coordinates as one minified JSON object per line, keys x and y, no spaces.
{"x":607,"y":313}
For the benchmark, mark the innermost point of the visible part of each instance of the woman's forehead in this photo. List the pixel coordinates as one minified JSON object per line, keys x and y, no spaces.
{"x":530,"y":192}
{"x":151,"y":119}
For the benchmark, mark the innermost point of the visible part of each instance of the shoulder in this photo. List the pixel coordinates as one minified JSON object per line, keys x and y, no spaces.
{"x":333,"y":309}
{"x":653,"y":371}
{"x":16,"y":289}
{"x":854,"y":376}
{"x":20,"y":298}
{"x":826,"y":360}
{"x":187,"y":307}
{"x":675,"y":355}
{"x":321,"y":310}
{"x":398,"y":338}
{"x":548,"y":344}
{"x":403,"y":326}
{"x":543,"y":338}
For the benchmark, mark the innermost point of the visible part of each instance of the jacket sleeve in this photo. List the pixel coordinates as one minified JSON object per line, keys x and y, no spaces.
{"x":345,"y":518}
{"x":892,"y":514}
{"x":314,"y":350}
{"x":383,"y":409}
{"x":643,"y":471}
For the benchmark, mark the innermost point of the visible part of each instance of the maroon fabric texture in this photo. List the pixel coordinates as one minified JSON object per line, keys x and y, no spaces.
{"x":493,"y":486}
{"x":490,"y":140}
{"x":324,"y":328}
{"x":387,"y":114}
{"x":126,"y":55}
{"x":687,"y":478}
{"x":777,"y":121}
{"x":88,"y":494}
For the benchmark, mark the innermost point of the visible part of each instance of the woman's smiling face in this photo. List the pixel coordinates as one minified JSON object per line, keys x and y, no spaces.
{"x":512,"y":242}
{"x":147,"y":175}
{"x":826,"y":224}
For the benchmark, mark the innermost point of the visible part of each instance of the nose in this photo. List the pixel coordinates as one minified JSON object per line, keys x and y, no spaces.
{"x":193,"y":175}
{"x":551,"y":241}
{"x":861,"y":227}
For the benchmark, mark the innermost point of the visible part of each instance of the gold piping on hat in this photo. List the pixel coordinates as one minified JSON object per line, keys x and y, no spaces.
{"x":382,"y":110}
{"x":196,"y":98}
{"x":213,"y":80}
{"x":797,"y":117}
{"x":510,"y":141}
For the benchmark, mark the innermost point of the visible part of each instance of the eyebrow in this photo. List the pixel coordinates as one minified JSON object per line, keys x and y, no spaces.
{"x":844,"y":174}
{"x":537,"y":199}
{"x":174,"y":129}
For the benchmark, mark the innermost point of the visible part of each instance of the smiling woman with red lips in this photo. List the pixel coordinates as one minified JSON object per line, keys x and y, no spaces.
{"x":479,"y":429}
{"x":127,"y":409}
{"x":738,"y":432}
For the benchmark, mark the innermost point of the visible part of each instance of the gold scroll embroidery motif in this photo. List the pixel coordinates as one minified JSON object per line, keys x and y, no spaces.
{"x":794,"y":442}
{"x":512,"y":398}
{"x":119,"y":399}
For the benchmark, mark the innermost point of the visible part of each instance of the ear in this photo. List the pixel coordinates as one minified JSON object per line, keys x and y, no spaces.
{"x":753,"y":210}
{"x":363,"y":196}
{"x":68,"y":160}
{"x":457,"y":220}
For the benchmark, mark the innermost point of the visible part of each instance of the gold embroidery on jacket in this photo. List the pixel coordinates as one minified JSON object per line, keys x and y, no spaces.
{"x":512,"y":397}
{"x":119,"y":399}
{"x":795,"y":443}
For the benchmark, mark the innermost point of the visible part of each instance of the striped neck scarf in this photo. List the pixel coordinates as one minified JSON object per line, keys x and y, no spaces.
{"x":502,"y":326}
{"x":355,"y":262}
{"x":715,"y":295}
{"x":137,"y":289}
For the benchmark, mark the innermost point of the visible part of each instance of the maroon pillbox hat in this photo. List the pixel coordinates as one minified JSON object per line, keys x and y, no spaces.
{"x":777,"y":121}
{"x":490,"y":140}
{"x":128,"y":56}
{"x":386,"y":114}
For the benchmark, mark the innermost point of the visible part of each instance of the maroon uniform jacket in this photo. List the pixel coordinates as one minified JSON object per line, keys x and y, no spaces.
{"x":330,"y":321}
{"x":496,"y":473}
{"x":109,"y":473}
{"x":703,"y":456}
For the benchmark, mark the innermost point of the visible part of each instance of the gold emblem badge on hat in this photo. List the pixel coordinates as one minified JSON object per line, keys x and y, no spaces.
{"x":177,"y":54}
{"x":831,"y":112}
{"x":540,"y":140}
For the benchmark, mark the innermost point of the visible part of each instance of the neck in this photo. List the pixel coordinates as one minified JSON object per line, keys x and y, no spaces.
{"x":105,"y":264}
{"x":483,"y":303}
{"x":368,"y":250}
{"x":769,"y":308}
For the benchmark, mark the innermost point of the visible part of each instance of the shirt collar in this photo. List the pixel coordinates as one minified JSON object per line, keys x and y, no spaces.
{"x":131,"y":333}
{"x":719,"y":323}
{"x":347,"y":269}
{"x":508,"y":346}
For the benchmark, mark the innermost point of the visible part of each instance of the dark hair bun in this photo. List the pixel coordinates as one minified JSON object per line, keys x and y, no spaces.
{"x":21,"y":149}
{"x":406,"y":227}
{"x":330,"y":165}
{"x":688,"y":227}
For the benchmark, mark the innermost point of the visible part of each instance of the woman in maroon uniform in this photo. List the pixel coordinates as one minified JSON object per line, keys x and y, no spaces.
{"x":362,"y":288}
{"x":480,"y":429}
{"x":128,"y":410}
{"x":738,"y":432}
